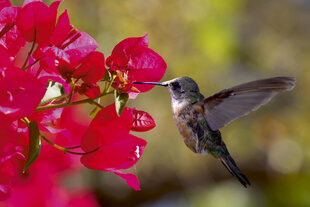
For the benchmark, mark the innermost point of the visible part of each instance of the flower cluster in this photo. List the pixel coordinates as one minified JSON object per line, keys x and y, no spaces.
{"x":46,"y":68}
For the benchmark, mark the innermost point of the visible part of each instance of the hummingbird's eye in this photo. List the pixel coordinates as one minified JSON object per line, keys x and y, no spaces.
{"x":176,"y":85}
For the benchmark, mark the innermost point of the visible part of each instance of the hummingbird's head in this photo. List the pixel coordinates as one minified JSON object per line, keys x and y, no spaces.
{"x":179,"y":88}
{"x":182,"y":87}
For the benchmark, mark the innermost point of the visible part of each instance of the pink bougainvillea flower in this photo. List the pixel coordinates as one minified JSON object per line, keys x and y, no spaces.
{"x":105,"y":128}
{"x":5,"y":3}
{"x":68,"y":52}
{"x":45,"y":77}
{"x":58,"y":43}
{"x":49,"y":194}
{"x":76,"y":120}
{"x":45,"y":174}
{"x":62,"y":30}
{"x":134,"y":61}
{"x":36,"y":21}
{"x":73,"y":49}
{"x":121,"y":154}
{"x":12,"y":158}
{"x":142,"y":121}
{"x":5,"y":59}
{"x":9,"y":168}
{"x":44,"y":179}
{"x":79,"y":48}
{"x":51,"y":58}
{"x":90,"y":90}
{"x":10,"y":38}
{"x":116,"y":148}
{"x":16,"y":86}
{"x":66,"y":70}
{"x":119,"y":56}
{"x":47,"y":120}
{"x":92,"y":68}
{"x":130,"y":178}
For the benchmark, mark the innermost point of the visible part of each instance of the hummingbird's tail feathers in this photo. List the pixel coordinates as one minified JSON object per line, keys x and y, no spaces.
{"x":232,"y":167}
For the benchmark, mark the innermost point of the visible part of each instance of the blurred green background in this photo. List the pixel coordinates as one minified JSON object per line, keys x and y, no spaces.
{"x":218,"y":44}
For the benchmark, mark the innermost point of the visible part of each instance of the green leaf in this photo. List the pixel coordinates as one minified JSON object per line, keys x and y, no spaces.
{"x":34,"y":144}
{"x":107,"y":76}
{"x":54,"y":89}
{"x":120,"y":101}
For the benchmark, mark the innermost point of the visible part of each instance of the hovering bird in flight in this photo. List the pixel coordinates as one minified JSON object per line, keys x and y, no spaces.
{"x":199,"y":119}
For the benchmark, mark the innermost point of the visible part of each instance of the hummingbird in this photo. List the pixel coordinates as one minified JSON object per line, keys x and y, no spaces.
{"x":199,"y":119}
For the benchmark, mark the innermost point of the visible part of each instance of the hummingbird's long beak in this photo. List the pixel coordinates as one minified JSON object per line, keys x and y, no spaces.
{"x":153,"y":83}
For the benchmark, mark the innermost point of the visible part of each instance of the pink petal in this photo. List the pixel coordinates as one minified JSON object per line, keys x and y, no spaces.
{"x":145,"y":65}
{"x":122,"y":154}
{"x":142,"y":121}
{"x":36,"y":21}
{"x":16,"y":86}
{"x":45,"y":77}
{"x":133,"y":57}
{"x":5,"y":3}
{"x":133,"y":95}
{"x":10,"y":37}
{"x":76,"y":121}
{"x":130,"y":178}
{"x":5,"y":59}
{"x":131,"y":42}
{"x":105,"y":128}
{"x":11,"y":158}
{"x":80,"y":48}
{"x":90,"y":90}
{"x":92,"y":68}
{"x":51,"y":58}
{"x":46,"y":116}
{"x":12,"y":41}
{"x":52,"y":130}
{"x":5,"y":191}
{"x":62,"y":29}
{"x":30,"y":1}
{"x":9,"y":14}
{"x":119,"y":52}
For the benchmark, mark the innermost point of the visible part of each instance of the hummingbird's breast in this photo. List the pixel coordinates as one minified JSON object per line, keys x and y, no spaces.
{"x":194,"y":128}
{"x":191,"y":124}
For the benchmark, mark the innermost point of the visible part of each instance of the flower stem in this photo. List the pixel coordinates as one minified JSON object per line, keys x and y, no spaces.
{"x":71,"y":92}
{"x":31,"y":50}
{"x":97,"y":104}
{"x":74,"y":147}
{"x":56,"y":106}
{"x":110,"y":83}
{"x":67,"y":150}
{"x":37,"y":60}
{"x":88,"y":100}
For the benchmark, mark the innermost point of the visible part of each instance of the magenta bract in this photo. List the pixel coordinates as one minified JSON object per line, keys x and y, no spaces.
{"x":92,"y":68}
{"x":59,"y":53}
{"x":117,"y":149}
{"x":142,"y":121}
{"x":16,"y":86}
{"x":136,"y":62}
{"x":37,"y":21}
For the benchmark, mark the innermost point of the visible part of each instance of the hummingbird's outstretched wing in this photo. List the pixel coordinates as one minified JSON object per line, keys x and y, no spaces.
{"x":232,"y":103}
